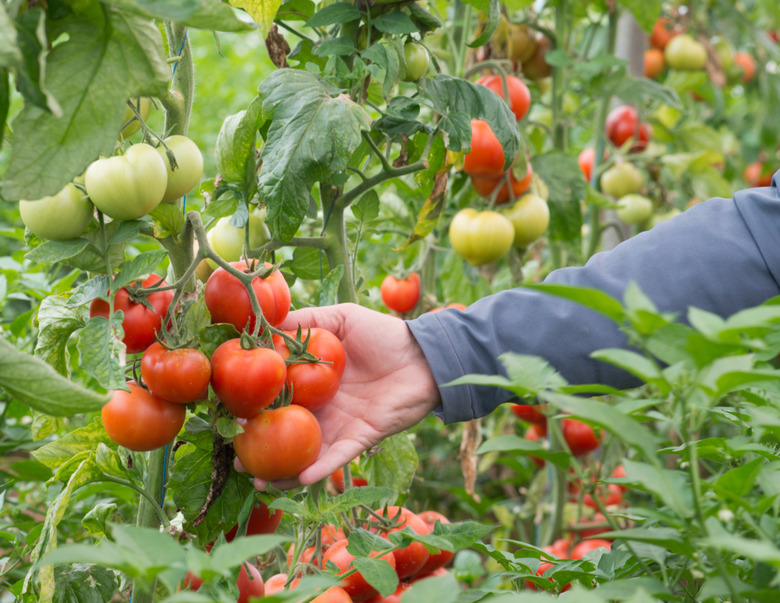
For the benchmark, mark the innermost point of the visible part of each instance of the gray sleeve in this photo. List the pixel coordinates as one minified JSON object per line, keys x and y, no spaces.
{"x":722,"y":255}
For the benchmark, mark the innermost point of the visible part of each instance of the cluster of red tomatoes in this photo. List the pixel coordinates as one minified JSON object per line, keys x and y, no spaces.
{"x":247,"y":374}
{"x":411,"y":562}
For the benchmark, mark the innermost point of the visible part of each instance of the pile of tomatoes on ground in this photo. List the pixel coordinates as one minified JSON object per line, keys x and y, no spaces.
{"x":272,"y":381}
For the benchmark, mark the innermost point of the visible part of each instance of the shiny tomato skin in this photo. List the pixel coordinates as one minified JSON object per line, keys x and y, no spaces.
{"x":228,"y":301}
{"x":623,"y":125}
{"x":411,"y":558}
{"x":140,"y":324}
{"x":246,"y":381}
{"x":529,"y":413}
{"x":580,"y":437}
{"x":480,"y":237}
{"x":519,"y":95}
{"x":486,"y":157}
{"x":401,"y":294}
{"x":486,"y":185}
{"x":335,"y":594}
{"x":585,"y":160}
{"x":337,"y":477}
{"x":262,"y":520}
{"x":354,"y":584}
{"x":275,"y":584}
{"x":314,"y":384}
{"x":663,"y":31}
{"x":59,"y":217}
{"x":250,"y":583}
{"x":620,"y":472}
{"x":141,"y":421}
{"x":435,"y":560}
{"x":180,"y":375}
{"x":279,"y":443}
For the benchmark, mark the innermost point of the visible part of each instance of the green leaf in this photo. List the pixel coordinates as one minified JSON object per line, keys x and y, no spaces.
{"x":339,"y":47}
{"x":87,"y":291}
{"x":513,"y":443}
{"x":378,"y":573}
{"x":739,"y":481}
{"x":396,"y":22}
{"x":363,"y":542}
{"x":330,"y":286}
{"x":141,"y":265}
{"x":56,"y":323}
{"x":750,"y":548}
{"x":394,"y":465}
{"x":646,"y":12}
{"x":313,"y":133}
{"x":96,"y":521}
{"x":168,"y":220}
{"x":442,"y":589}
{"x":232,"y":554}
{"x":671,"y":487}
{"x":566,"y":185}
{"x":668,"y":538}
{"x":50,"y":252}
{"x":493,"y":18}
{"x":353,"y":497}
{"x":101,"y":350}
{"x":591,"y":298}
{"x":236,"y":144}
{"x":732,"y":373}
{"x":307,"y":263}
{"x":366,"y":208}
{"x":10,"y":54}
{"x":33,"y":382}
{"x":463,"y":534}
{"x":200,"y":14}
{"x":31,"y":28}
{"x":82,"y":439}
{"x":333,"y":14}
{"x":530,"y":374}
{"x":92,"y":74}
{"x":450,"y":95}
{"x":84,"y":583}
{"x":640,"y":91}
{"x":636,"y":364}
{"x":110,"y":463}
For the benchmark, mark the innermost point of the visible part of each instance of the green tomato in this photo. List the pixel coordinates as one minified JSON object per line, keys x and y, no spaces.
{"x":684,"y":53}
{"x":129,"y":186}
{"x":621,"y":180}
{"x":634,"y":209}
{"x":416,"y":60}
{"x":530,"y":217}
{"x":480,"y":237}
{"x":59,"y":217}
{"x":227,"y":241}
{"x":189,"y":166}
{"x":144,"y":108}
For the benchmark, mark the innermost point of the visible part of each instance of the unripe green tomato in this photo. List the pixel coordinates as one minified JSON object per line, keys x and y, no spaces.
{"x":227,"y":241}
{"x":59,"y":217}
{"x":189,"y":166}
{"x":129,"y":186}
{"x":725,"y":53}
{"x":530,"y":218}
{"x":684,"y":53}
{"x":144,"y":108}
{"x":480,"y":237}
{"x":621,"y":180}
{"x":416,"y":59}
{"x":634,"y":209}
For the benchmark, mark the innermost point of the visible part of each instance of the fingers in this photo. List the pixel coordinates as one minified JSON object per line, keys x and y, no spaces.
{"x":330,"y":318}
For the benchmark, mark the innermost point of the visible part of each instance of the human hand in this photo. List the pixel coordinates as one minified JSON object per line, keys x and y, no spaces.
{"x":387,"y":385}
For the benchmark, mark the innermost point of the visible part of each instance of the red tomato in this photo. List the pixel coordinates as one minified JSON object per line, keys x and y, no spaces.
{"x":337,"y":477}
{"x":181,"y":375}
{"x":279,"y":443}
{"x":620,"y":472}
{"x":536,"y":432}
{"x":354,"y":584}
{"x":410,"y":559}
{"x":141,"y":421}
{"x":598,"y":520}
{"x":586,"y":546}
{"x":261,"y":521}
{"x":623,"y":125}
{"x":191,"y":582}
{"x":246,"y":381}
{"x":579,"y":436}
{"x":559,"y":548}
{"x":250,"y":583}
{"x":756,"y":174}
{"x":485,"y":185}
{"x":436,"y":560}
{"x":530,"y":414}
{"x":314,"y":384}
{"x":307,"y":555}
{"x":335,"y":594}
{"x":330,"y":534}
{"x":519,"y":95}
{"x":401,"y":295}
{"x":486,"y":157}
{"x":586,"y":159}
{"x":228,"y":300}
{"x":275,"y":584}
{"x":663,"y":31}
{"x":140,"y":324}
{"x":607,"y":494}
{"x":747,"y":64}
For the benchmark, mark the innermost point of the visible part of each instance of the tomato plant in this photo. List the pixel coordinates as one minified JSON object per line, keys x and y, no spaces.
{"x":480,"y":237}
{"x":401,"y":295}
{"x":178,"y":375}
{"x":623,"y":125}
{"x":580,"y":437}
{"x":415,"y":61}
{"x":143,"y":106}
{"x":140,"y":323}
{"x":278,"y":443}
{"x":246,"y":380}
{"x":354,"y":583}
{"x":228,"y":300}
{"x":409,"y":560}
{"x":314,"y":384}
{"x":486,"y":157}
{"x":435,"y":560}
{"x":129,"y":186}
{"x":58,"y":217}
{"x":140,"y":420}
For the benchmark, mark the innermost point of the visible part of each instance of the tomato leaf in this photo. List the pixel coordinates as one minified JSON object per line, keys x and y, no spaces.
{"x":38,"y":385}
{"x":236,"y":145}
{"x":330,"y":286}
{"x":92,"y":74}
{"x":646,"y":12}
{"x":353,"y":497}
{"x":10,"y":53}
{"x":57,"y":321}
{"x":333,"y":14}
{"x":513,"y":443}
{"x":378,"y":573}
{"x":566,"y":186}
{"x":442,"y":589}
{"x":396,"y":22}
{"x":232,"y":554}
{"x":394,"y":465}
{"x":313,"y":132}
{"x":201,"y":14}
{"x":82,"y":439}
{"x":493,"y":11}
{"x":138,"y":266}
{"x":100,"y":347}
{"x":84,"y":582}
{"x":31,"y":30}
{"x":362,"y":542}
